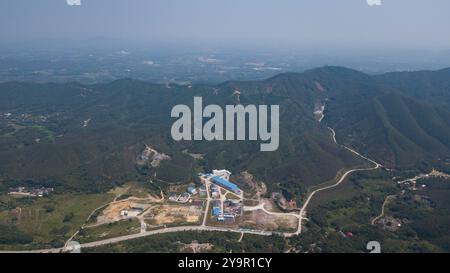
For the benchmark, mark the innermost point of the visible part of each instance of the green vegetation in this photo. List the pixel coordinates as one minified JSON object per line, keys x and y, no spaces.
{"x":126,"y":114}
{"x":106,"y":231}
{"x":351,"y":207}
{"x":176,"y":242}
{"x":11,"y":235}
{"x":49,"y":221}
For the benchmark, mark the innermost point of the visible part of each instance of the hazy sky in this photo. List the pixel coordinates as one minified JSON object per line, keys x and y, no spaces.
{"x":412,"y":24}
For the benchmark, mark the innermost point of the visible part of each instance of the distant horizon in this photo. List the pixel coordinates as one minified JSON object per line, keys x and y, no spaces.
{"x":211,"y":41}
{"x":290,"y":25}
{"x":281,"y":74}
{"x":102,"y":43}
{"x":231,"y":80}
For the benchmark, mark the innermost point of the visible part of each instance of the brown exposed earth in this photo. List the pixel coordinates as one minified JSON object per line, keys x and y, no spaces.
{"x":260,"y":220}
{"x":169,"y":214}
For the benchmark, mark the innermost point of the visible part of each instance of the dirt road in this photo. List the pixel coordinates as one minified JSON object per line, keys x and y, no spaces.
{"x":386,"y":201}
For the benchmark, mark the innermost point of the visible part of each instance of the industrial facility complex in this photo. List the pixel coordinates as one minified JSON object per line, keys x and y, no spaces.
{"x":218,"y":186}
{"x":209,"y":202}
{"x":225,"y":184}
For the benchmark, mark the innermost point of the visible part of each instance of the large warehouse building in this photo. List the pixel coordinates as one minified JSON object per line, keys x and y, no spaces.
{"x":225,"y":184}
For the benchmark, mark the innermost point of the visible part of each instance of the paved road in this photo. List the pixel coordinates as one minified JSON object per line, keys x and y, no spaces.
{"x":50,"y":250}
{"x":208,"y":200}
{"x":311,"y":195}
{"x":170,"y":230}
{"x":148,"y":233}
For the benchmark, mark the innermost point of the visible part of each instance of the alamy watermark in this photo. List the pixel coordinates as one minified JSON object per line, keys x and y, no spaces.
{"x":236,"y":117}
{"x":73,"y":2}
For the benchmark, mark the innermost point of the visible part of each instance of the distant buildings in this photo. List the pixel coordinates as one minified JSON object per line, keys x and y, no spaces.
{"x":30,"y":192}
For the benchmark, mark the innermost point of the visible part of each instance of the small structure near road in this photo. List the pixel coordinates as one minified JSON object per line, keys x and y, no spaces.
{"x":133,"y":210}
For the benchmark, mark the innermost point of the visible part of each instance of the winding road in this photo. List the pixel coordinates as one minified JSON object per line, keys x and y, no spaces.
{"x":302,"y":213}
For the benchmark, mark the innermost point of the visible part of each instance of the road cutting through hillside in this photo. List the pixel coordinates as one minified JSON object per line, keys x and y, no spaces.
{"x":302,"y":212}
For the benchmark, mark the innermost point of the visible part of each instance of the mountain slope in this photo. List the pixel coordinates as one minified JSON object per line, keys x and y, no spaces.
{"x":394,"y":129}
{"x":429,"y":86}
{"x":87,"y":137}
{"x":91,"y":140}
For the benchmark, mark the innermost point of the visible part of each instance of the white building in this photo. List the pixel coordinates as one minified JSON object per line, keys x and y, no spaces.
{"x":222,"y":173}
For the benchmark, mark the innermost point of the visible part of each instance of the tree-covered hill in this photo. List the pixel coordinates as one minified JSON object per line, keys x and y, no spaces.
{"x":88,"y":137}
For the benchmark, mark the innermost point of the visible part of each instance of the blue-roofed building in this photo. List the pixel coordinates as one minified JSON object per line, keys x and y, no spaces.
{"x":191,"y":190}
{"x":215,"y":211}
{"x":225,"y":184}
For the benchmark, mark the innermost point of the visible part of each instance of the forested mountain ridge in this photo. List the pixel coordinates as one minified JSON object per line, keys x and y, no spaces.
{"x":87,"y":137}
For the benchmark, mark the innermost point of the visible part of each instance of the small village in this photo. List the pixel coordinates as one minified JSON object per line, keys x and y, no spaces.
{"x":30,"y":191}
{"x":412,"y":183}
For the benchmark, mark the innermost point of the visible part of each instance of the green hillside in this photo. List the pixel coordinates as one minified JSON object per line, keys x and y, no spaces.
{"x":87,"y":138}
